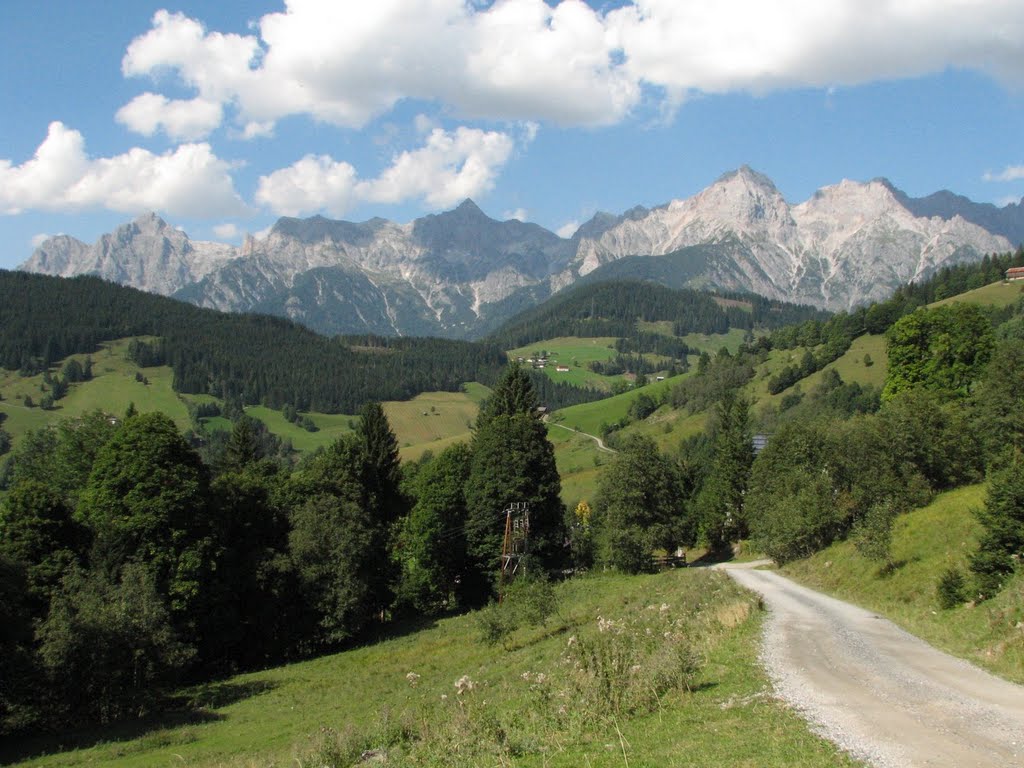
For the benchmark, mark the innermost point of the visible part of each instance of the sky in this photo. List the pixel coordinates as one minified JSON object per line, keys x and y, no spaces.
{"x":223,"y":116}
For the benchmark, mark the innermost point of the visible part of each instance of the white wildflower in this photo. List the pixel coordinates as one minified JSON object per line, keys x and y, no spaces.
{"x":413,"y":679}
{"x":463,"y":684}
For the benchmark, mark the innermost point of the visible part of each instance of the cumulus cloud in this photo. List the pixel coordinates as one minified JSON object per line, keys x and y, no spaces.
{"x":190,"y":181}
{"x":755,"y":46}
{"x":449,"y":167}
{"x":39,"y":239}
{"x":346,"y":63}
{"x":180,"y":120}
{"x":1009,"y":173}
{"x":519,"y":214}
{"x":314,"y":183}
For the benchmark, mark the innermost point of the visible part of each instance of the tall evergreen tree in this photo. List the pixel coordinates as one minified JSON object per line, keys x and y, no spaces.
{"x":720,"y":501}
{"x":513,"y":394}
{"x":512,"y":462}
{"x":382,"y":461}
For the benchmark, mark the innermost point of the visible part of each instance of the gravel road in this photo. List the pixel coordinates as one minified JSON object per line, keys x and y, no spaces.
{"x":878,"y":692}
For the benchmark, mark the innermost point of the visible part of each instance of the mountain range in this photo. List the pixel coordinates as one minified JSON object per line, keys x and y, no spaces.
{"x":461,"y":273}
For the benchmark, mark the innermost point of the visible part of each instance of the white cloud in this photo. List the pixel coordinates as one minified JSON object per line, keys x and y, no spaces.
{"x":451,"y":166}
{"x":314,"y":183}
{"x":519,"y":214}
{"x":39,"y":239}
{"x":568,"y":229}
{"x":257,"y":130}
{"x":227,"y":231}
{"x":1009,"y":173}
{"x":180,"y":120}
{"x":755,"y":46}
{"x":345,"y":63}
{"x":190,"y":181}
{"x":523,"y":59}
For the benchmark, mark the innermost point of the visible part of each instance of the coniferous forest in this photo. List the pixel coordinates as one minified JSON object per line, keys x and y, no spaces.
{"x":249,"y":358}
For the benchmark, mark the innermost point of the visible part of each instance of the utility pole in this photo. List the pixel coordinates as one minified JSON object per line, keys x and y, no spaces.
{"x":516,"y":544}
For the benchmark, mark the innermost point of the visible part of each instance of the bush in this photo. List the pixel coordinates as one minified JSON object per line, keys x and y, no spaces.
{"x":526,"y":603}
{"x":951,"y":589}
{"x":873,"y":534}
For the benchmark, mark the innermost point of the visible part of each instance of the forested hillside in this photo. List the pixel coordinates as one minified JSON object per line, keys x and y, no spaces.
{"x":613,"y":309}
{"x":250,"y":358}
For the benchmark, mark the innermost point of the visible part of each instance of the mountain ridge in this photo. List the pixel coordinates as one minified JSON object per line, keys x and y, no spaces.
{"x":458,"y":272}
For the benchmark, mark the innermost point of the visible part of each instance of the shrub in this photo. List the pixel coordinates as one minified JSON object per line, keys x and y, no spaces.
{"x":951,"y":589}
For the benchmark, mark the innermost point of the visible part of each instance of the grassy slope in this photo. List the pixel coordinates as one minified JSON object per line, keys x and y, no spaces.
{"x":274,"y":717}
{"x":112,"y":389}
{"x":589,"y":417}
{"x":926,"y":542}
{"x":998,"y":294}
{"x":448,"y":419}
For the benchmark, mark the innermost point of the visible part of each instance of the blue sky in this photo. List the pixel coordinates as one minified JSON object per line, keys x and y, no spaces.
{"x":223,"y":116}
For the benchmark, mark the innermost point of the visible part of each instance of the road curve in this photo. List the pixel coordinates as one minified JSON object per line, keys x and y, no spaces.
{"x":595,"y":438}
{"x":878,"y":692}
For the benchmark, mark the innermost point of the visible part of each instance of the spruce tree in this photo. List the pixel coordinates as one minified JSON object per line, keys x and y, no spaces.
{"x":512,"y":462}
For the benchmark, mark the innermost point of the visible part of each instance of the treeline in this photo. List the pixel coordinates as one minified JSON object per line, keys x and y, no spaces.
{"x":251,"y":358}
{"x":613,"y":309}
{"x":843,"y":327}
{"x":128,"y":565}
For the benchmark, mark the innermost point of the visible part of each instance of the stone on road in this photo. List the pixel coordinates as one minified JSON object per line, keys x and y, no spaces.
{"x":878,"y":692}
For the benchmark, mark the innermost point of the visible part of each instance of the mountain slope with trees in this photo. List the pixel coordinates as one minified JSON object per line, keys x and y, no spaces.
{"x":249,"y":358}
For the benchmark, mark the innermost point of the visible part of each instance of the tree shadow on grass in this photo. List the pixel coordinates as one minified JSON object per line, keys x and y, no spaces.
{"x":169,"y":726}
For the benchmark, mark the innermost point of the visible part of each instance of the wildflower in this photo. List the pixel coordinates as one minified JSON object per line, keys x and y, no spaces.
{"x":634,"y":669}
{"x":541,"y":677}
{"x":572,"y":641}
{"x":463,"y":684}
{"x":413,"y":679}
{"x":664,"y":609}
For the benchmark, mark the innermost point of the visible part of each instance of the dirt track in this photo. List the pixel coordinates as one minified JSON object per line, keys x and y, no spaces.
{"x":880,"y":693}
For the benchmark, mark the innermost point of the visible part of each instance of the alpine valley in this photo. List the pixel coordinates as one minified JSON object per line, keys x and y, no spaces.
{"x":461,"y":274}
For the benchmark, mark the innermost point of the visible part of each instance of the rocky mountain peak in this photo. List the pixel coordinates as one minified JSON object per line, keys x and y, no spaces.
{"x":748,"y":177}
{"x":149,"y":224}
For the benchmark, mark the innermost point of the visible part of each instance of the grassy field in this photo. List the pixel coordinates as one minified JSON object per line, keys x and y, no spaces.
{"x":579,"y":463}
{"x":926,"y":542}
{"x":589,"y":417}
{"x":575,"y":353}
{"x":112,"y":389}
{"x":711,"y":343}
{"x":431,"y":421}
{"x":998,"y":294}
{"x":528,"y":706}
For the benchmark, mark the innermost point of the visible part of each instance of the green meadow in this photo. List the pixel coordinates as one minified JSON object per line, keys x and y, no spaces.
{"x":440,"y":696}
